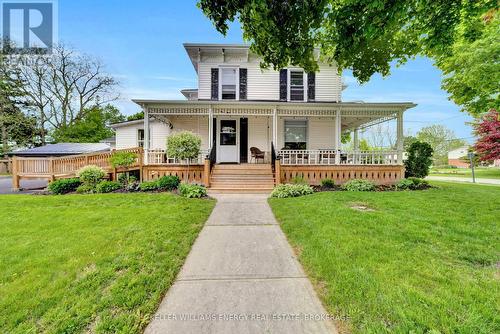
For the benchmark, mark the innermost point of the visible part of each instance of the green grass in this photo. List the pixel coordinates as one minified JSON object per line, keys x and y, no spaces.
{"x":487,"y":173}
{"x":96,"y":263}
{"x":422,"y":262}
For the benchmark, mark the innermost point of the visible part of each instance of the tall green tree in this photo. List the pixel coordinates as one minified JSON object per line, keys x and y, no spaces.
{"x":16,"y":128}
{"x":442,"y":140}
{"x":367,"y":36}
{"x":472,"y":71}
{"x":93,"y":127}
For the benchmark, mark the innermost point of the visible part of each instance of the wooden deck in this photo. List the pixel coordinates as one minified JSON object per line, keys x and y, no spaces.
{"x":224,"y":178}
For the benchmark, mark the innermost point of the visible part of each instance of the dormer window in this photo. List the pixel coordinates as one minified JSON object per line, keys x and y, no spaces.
{"x":228,"y":83}
{"x":296,"y":85}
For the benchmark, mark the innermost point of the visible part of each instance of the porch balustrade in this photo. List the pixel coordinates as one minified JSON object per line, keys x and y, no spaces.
{"x":327,"y":157}
{"x":160,"y":157}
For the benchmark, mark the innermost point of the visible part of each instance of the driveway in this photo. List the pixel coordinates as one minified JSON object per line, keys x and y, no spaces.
{"x":28,"y":186}
{"x":241,"y":276}
{"x":463,"y":179}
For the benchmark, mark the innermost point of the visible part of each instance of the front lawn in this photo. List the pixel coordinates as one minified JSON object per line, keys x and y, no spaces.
{"x":420,"y":262}
{"x":480,"y":172}
{"x":91,"y":263}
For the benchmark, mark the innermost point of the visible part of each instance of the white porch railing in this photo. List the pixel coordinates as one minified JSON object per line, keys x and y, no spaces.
{"x":160,"y":157}
{"x":328,"y":157}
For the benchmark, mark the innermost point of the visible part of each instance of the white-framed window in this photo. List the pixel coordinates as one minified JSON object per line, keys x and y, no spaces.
{"x":296,"y":87}
{"x":140,"y":138}
{"x":228,"y":83}
{"x":295,"y":134}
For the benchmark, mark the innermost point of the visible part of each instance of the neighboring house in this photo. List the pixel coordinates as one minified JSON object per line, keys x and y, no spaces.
{"x":62,"y":149}
{"x":454,"y":157}
{"x":238,"y":106}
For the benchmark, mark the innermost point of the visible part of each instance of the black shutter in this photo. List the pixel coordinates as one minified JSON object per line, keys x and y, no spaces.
{"x":215,"y":84}
{"x":311,"y":86}
{"x":283,"y":84}
{"x":243,"y":83}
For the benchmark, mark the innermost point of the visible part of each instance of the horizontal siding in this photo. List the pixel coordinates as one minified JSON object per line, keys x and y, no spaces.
{"x":321,"y":133}
{"x":259,"y":133}
{"x":264,"y":84}
{"x":328,"y":84}
{"x":196,"y":124}
{"x":159,"y":133}
{"x":126,"y":136}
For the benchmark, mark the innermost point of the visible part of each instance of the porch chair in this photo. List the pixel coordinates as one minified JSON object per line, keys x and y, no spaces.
{"x":256,"y":154}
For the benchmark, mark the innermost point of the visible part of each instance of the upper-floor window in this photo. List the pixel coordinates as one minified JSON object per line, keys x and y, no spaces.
{"x":228,"y":83}
{"x":296,"y":85}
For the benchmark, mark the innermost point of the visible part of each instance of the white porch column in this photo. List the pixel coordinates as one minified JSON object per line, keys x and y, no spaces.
{"x":356,"y":145}
{"x":356,"y":140}
{"x":399,"y":143}
{"x":338,"y":130}
{"x":210,"y":127}
{"x":146,"y":134}
{"x":275,"y":128}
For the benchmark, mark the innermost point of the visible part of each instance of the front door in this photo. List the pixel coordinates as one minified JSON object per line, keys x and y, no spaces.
{"x":227,"y":141}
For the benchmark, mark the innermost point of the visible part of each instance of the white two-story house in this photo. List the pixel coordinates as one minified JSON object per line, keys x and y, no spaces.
{"x":238,"y":107}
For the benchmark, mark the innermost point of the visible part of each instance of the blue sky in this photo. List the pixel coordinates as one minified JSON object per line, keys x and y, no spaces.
{"x":140,"y":42}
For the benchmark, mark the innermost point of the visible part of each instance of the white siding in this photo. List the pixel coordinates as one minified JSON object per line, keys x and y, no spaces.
{"x":328,"y":84}
{"x":159,"y":133}
{"x":321,"y":133}
{"x":264,"y":84}
{"x":320,"y":130}
{"x":126,"y":136}
{"x":259,"y":133}
{"x":196,"y":124}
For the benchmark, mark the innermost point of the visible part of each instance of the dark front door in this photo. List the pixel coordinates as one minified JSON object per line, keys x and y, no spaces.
{"x":243,"y":140}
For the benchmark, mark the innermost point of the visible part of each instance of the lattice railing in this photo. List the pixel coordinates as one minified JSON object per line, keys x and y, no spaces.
{"x":160,"y":157}
{"x":332,"y":157}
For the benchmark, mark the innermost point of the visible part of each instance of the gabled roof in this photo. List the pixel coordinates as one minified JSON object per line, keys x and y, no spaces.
{"x":63,"y":149}
{"x":195,"y":50}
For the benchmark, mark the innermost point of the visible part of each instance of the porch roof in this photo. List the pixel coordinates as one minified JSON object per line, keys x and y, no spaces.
{"x":353,"y":114}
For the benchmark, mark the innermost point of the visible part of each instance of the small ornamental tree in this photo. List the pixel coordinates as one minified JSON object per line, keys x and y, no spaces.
{"x":184,"y":145}
{"x":488,"y":132}
{"x":419,"y":160}
{"x":123,"y":160}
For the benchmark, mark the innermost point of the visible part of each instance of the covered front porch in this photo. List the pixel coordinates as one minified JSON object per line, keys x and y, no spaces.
{"x":297,"y":139}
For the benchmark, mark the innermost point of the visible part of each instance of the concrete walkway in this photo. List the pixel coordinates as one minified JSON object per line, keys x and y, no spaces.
{"x":241,"y":276}
{"x":463,"y":179}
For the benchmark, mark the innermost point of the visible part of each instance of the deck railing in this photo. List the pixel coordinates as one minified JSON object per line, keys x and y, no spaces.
{"x":329,"y":157}
{"x":160,"y":157}
{"x":67,"y":165}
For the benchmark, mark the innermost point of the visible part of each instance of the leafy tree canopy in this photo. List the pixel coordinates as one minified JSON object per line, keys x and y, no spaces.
{"x":136,"y":116}
{"x":442,"y":140}
{"x":462,"y":36}
{"x":92,"y":128}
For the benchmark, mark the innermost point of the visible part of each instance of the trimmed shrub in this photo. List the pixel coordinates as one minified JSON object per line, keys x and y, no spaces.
{"x":291,"y":190}
{"x":64,"y":186}
{"x":149,"y":186}
{"x":328,"y":183}
{"x":192,"y":190}
{"x":133,"y":186}
{"x":86,"y":189}
{"x":168,"y":182}
{"x":107,"y":186}
{"x":412,"y":183}
{"x":358,"y":185}
{"x":419,"y":160}
{"x":299,"y":179}
{"x":122,"y":178}
{"x":91,"y":175}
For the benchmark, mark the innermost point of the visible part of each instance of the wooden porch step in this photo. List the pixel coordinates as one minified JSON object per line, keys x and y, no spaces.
{"x":238,"y":191}
{"x":242,"y":178}
{"x":242,"y":167}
